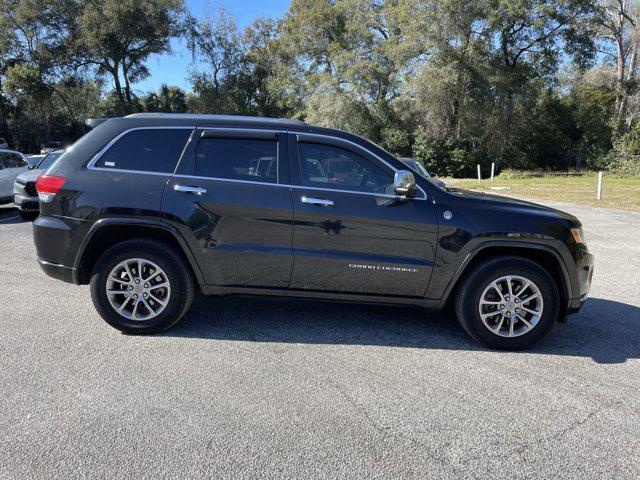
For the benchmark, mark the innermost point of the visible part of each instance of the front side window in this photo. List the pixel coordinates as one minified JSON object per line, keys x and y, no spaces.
{"x":147,"y":150}
{"x":325,"y":166}
{"x":237,"y":159}
{"x":12,"y":160}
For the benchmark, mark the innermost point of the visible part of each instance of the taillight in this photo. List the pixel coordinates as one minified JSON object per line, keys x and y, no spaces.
{"x":48,"y":186}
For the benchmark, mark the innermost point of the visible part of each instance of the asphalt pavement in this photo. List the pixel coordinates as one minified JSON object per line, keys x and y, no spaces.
{"x":258,"y":388}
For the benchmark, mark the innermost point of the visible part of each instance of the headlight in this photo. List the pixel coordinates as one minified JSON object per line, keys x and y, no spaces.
{"x":578,"y":235}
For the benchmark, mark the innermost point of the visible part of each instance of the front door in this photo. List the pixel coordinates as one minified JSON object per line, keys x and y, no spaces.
{"x":351,"y":233}
{"x":233,"y":205}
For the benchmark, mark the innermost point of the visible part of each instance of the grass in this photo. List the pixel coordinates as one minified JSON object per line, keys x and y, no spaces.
{"x":622,"y":193}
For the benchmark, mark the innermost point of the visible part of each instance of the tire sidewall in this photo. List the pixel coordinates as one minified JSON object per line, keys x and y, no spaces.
{"x":538,"y":276}
{"x":170,"y":315}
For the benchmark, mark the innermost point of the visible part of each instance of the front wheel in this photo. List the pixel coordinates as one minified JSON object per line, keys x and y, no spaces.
{"x":141,"y":286}
{"x":508,"y":303}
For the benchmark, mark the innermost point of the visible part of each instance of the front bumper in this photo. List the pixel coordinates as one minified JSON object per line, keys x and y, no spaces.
{"x":584,"y":266}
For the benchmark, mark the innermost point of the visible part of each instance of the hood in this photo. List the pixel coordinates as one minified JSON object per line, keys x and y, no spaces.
{"x":28,"y":176}
{"x":499,"y":200}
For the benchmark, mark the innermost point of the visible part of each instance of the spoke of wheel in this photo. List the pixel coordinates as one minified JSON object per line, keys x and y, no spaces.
{"x":119,"y":280}
{"x":497,"y":289}
{"x":499,"y":327}
{"x":524,"y":288}
{"x":528,"y":310}
{"x":150,"y":310}
{"x":512,"y":322}
{"x":160,"y":285}
{"x":489,"y":314}
{"x":156,"y":299}
{"x":135,"y":310}
{"x":490,"y":302}
{"x":509,"y":280}
{"x":126,"y":267}
{"x":140,"y":269}
{"x":155,"y":273}
{"x":124,"y":304}
{"x":530,"y":297}
{"x":118,"y":292}
{"x":525,"y":321}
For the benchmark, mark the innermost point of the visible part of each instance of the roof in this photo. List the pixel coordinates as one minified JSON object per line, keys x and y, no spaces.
{"x":218,"y":118}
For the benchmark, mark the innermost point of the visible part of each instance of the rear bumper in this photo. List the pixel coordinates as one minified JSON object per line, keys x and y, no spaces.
{"x":26,"y":203}
{"x":57,"y":271}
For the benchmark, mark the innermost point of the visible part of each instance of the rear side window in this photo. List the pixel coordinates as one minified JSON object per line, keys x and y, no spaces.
{"x":11,"y":160}
{"x":237,"y":159}
{"x":147,"y":150}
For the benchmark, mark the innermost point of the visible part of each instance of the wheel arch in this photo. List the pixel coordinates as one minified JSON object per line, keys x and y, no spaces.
{"x":545,"y":256}
{"x":106,"y":233}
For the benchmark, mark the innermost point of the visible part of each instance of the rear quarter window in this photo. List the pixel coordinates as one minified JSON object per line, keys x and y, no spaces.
{"x":147,"y":150}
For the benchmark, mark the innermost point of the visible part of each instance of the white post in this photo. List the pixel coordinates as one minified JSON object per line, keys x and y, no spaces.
{"x":599,"y":185}
{"x":479,"y":176}
{"x":493,"y":170}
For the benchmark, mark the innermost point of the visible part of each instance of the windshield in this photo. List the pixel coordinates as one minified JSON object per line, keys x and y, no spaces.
{"x":48,"y":160}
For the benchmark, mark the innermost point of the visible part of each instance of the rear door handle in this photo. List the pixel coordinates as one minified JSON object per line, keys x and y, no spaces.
{"x":186,"y":189}
{"x":320,"y":202}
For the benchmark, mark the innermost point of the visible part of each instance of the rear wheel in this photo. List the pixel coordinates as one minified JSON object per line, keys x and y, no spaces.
{"x":141,"y":286}
{"x":508,"y":303}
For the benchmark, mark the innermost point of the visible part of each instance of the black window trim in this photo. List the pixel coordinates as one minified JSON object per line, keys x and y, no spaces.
{"x":92,"y":164}
{"x":310,"y":137}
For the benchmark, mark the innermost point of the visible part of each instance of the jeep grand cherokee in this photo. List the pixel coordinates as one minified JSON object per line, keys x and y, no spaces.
{"x":149,"y":207}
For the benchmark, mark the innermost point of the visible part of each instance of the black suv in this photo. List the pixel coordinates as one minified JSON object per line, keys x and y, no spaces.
{"x":150,"y":207}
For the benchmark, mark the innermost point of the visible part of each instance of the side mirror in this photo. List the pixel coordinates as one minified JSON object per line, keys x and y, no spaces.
{"x":432,"y":173}
{"x":404,"y":183}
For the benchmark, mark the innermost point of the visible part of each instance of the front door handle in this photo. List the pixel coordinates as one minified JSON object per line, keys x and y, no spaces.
{"x":186,"y":189}
{"x":320,"y":202}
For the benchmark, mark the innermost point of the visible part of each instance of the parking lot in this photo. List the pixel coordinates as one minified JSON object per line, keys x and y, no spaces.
{"x":260,"y":388}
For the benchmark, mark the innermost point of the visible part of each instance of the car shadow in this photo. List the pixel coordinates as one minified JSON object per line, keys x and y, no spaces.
{"x":605,"y":330}
{"x":9,"y":215}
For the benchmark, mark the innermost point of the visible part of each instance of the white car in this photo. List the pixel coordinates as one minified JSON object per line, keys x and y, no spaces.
{"x":12,"y":164}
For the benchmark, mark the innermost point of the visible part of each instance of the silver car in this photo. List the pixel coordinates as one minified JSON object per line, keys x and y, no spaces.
{"x":25,"y":196}
{"x":12,"y":164}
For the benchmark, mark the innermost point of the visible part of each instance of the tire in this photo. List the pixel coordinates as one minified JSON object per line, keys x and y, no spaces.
{"x":28,"y":216}
{"x":174,"y":273}
{"x":480,"y":282}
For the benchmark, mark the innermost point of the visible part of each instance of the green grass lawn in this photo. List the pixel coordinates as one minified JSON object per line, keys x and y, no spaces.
{"x":617,"y":192}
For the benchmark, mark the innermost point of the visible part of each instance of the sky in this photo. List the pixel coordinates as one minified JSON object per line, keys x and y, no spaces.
{"x":173,"y":68}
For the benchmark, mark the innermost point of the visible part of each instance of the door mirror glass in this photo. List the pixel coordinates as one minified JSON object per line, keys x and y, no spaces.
{"x":404,"y":183}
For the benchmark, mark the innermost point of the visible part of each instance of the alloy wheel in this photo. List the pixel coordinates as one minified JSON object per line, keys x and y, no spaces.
{"x":511,"y":306}
{"x":138,"y":289}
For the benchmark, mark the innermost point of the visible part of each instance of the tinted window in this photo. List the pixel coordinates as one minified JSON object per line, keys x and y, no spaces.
{"x":47,"y":161}
{"x":11,"y":160}
{"x":237,"y":159}
{"x":146,"y":150}
{"x":324,"y":166}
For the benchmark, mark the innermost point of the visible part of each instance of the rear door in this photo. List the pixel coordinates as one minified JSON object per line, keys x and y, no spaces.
{"x":351,"y":232}
{"x":232,"y":203}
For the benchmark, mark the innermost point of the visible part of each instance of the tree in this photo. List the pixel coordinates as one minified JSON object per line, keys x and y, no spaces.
{"x":168,"y":99}
{"x":618,"y":37}
{"x":116,"y":37}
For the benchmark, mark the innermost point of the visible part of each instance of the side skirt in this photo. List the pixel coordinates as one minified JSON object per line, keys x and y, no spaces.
{"x":425,"y":303}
